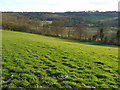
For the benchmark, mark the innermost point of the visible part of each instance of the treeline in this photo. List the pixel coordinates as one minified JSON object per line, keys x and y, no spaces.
{"x":88,"y":17}
{"x":60,"y":28}
{"x":74,"y":15}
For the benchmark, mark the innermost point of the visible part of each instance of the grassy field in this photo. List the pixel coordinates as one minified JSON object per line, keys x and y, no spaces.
{"x":46,"y":22}
{"x":35,"y":61}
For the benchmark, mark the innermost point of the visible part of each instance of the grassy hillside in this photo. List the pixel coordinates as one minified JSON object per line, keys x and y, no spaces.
{"x":31,"y":60}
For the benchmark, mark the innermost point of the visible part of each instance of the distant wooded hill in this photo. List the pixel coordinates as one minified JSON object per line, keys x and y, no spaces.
{"x":90,"y":26}
{"x":73,"y":15}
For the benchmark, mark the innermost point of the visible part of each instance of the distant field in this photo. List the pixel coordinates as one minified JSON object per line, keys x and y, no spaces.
{"x":35,"y":61}
{"x":46,"y":22}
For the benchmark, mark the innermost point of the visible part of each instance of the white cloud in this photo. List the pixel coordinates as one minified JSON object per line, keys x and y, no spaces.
{"x":58,"y":5}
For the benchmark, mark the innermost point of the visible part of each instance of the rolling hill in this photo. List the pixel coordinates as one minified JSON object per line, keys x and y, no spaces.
{"x":36,"y":61}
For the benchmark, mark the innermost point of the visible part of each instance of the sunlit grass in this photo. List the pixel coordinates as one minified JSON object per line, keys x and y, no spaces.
{"x":37,"y":61}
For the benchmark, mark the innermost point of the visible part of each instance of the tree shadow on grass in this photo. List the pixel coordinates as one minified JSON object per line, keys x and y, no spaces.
{"x":87,"y":42}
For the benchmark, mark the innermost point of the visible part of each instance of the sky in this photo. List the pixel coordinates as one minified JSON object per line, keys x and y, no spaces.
{"x":58,"y":5}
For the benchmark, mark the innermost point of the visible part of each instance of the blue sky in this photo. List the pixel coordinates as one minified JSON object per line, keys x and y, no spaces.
{"x":58,"y":5}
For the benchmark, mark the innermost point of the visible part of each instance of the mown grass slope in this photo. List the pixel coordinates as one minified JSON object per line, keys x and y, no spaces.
{"x":35,"y":61}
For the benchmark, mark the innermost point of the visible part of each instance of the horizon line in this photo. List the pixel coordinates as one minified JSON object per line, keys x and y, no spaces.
{"x":63,"y":11}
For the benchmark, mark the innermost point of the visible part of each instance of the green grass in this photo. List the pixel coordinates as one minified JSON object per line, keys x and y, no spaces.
{"x":46,"y":22}
{"x":36,"y":61}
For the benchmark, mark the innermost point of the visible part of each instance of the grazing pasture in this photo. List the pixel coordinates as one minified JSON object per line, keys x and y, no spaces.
{"x":36,"y":61}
